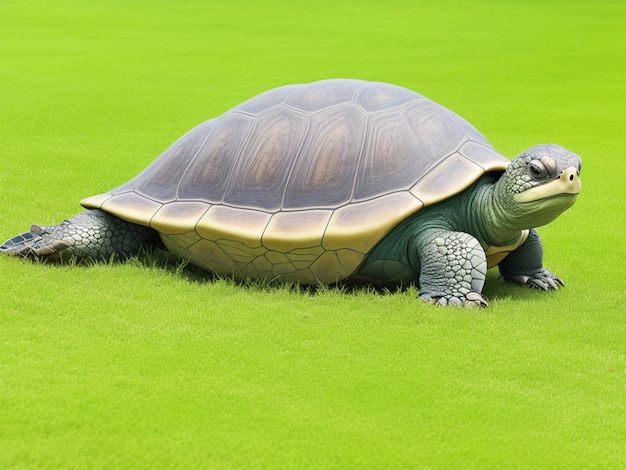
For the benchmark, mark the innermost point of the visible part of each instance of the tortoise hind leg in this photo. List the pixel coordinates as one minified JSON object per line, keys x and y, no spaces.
{"x":90,"y":235}
{"x":453,"y":268}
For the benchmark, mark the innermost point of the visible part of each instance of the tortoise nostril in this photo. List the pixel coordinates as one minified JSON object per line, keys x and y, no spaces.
{"x":571,"y":177}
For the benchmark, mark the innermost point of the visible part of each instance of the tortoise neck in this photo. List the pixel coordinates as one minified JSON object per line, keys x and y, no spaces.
{"x":494,"y":219}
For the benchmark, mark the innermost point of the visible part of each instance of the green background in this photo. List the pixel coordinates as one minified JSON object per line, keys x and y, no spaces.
{"x":135,"y":365}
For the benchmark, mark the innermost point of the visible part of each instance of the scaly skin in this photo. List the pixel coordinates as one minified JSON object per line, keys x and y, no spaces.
{"x":524,"y":266}
{"x":90,"y":235}
{"x":440,"y":245}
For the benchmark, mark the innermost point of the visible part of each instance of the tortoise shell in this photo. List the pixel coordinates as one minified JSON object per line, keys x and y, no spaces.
{"x":301,"y":182}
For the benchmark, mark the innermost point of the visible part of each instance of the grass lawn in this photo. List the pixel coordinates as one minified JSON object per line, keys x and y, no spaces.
{"x":142,"y":366}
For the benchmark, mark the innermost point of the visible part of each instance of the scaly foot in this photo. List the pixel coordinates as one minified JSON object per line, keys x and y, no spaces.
{"x":470,"y":300}
{"x":542,"y":279}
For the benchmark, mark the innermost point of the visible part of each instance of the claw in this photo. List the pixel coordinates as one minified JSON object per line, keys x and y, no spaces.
{"x":542,"y":279}
{"x":536,"y":283}
{"x":471,"y":300}
{"x":474,"y":299}
{"x":553,"y":283}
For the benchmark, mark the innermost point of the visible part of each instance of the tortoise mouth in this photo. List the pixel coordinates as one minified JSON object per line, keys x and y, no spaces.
{"x":566,"y":185}
{"x":538,"y":212}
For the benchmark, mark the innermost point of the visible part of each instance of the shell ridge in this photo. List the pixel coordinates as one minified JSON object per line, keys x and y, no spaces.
{"x":235,"y":161}
{"x":435,"y":168}
{"x":283,"y":102}
{"x":195,"y":226}
{"x":100,"y":203}
{"x":412,"y":136}
{"x":144,"y":196}
{"x":234,"y":239}
{"x":357,"y":90}
{"x":295,"y":160}
{"x":364,"y":133}
{"x":242,"y":206}
{"x":373,"y":198}
{"x":493,"y":166}
{"x":206,"y":139}
{"x":325,"y":231}
{"x":476,"y":164}
{"x":291,"y":108}
{"x":354,"y":99}
{"x":361,"y":157}
{"x":170,"y":204}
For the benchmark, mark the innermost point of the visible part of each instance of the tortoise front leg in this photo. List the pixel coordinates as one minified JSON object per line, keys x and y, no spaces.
{"x":453,"y":267}
{"x":525,"y":266}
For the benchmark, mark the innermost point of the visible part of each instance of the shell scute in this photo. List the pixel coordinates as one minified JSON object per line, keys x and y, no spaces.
{"x":169,"y":168}
{"x":276,"y":257}
{"x":333,"y":266}
{"x":135,"y":207}
{"x":436,"y":131}
{"x":374,"y":97}
{"x":179,"y":217}
{"x":261,"y":172}
{"x":288,"y":231}
{"x":262,"y":265}
{"x":390,"y":157}
{"x":484,"y":155}
{"x":321,"y":95}
{"x":208,"y":255}
{"x":209,"y":173}
{"x":437,"y":185}
{"x":240,"y":251}
{"x":265,"y":101}
{"x":222,"y":222}
{"x":324,"y":171}
{"x":355,"y":225}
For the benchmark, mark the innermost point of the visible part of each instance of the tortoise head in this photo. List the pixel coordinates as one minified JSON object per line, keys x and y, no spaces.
{"x":540,"y":184}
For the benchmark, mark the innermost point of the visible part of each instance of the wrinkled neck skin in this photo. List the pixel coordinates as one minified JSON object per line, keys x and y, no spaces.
{"x":492,"y":216}
{"x":499,"y":219}
{"x":486,"y":210}
{"x":481,"y":210}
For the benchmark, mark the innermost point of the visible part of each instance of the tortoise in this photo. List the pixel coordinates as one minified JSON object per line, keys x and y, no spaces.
{"x":333,"y":181}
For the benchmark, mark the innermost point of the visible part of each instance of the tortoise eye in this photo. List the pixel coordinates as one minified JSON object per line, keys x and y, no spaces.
{"x":549,"y":164}
{"x":538,"y":170}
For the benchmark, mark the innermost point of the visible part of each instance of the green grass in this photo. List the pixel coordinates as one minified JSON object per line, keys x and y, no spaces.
{"x":143,"y":365}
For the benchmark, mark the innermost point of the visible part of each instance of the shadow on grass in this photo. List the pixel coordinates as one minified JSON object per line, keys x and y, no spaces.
{"x":495,"y":289}
{"x":161,"y":259}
